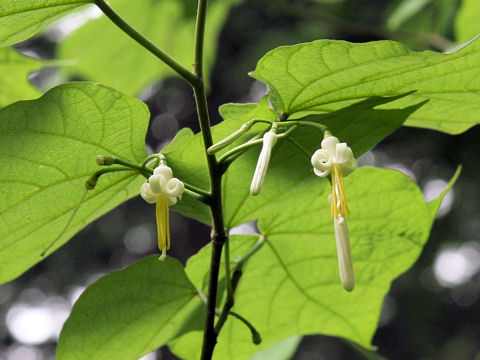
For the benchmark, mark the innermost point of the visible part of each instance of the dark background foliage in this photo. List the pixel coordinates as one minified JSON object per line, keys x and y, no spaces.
{"x":431,"y":312}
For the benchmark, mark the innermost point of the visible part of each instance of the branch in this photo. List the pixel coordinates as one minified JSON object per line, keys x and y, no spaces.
{"x":147,"y":43}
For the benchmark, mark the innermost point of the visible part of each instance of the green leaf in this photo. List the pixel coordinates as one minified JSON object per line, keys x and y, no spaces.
{"x":48,"y":150}
{"x":130,"y":313}
{"x":466,"y":22}
{"x":21,"y":19}
{"x":325,"y":75}
{"x":123,"y":63}
{"x":362,"y":125}
{"x":15,"y":84}
{"x":291,"y":285}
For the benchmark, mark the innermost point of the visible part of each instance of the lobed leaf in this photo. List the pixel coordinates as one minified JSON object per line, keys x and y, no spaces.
{"x":48,"y":148}
{"x":326,"y":75}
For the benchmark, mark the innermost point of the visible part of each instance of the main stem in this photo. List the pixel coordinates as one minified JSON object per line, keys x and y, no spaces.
{"x":218,"y":235}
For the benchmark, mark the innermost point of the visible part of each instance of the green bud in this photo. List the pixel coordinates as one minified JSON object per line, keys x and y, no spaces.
{"x":104,"y":160}
{"x":91,"y":182}
{"x":228,"y":140}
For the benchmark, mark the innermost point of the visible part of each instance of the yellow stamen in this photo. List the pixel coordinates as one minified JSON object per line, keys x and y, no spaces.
{"x":339,"y":201}
{"x":163,"y":226}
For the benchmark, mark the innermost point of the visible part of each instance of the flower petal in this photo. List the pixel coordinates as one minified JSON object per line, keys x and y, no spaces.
{"x":174,"y":188}
{"x":322,"y":162}
{"x":164,"y":170}
{"x":321,"y":173}
{"x":329,"y":145}
{"x":343,"y":153}
{"x":157,"y":183}
{"x":147,"y":194}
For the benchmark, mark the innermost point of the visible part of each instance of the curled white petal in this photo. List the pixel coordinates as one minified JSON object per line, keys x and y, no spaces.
{"x":345,"y":264}
{"x":322,"y":162}
{"x":147,"y":194}
{"x":157,"y":183}
{"x":342,"y":153}
{"x":171,"y":200}
{"x":164,"y":170}
{"x":269,"y":140}
{"x":175,"y":188}
{"x":320,"y":173}
{"x":329,"y":145}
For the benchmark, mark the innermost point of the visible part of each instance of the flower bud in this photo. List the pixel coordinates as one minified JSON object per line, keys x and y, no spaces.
{"x":228,"y":140}
{"x":269,"y":140}
{"x":103,"y":160}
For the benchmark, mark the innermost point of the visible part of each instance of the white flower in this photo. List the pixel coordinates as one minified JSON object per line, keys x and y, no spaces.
{"x":336,"y":159}
{"x":163,"y":190}
{"x":269,"y":140}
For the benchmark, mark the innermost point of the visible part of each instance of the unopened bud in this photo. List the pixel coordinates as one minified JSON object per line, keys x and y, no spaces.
{"x":91,"y":182}
{"x":269,"y":140}
{"x":228,"y":140}
{"x":104,"y":160}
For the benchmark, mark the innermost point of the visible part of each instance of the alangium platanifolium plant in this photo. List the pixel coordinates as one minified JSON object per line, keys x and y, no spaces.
{"x":288,"y":162}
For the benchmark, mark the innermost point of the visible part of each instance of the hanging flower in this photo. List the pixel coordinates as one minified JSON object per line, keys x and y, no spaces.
{"x":163,"y":190}
{"x":269,"y":141}
{"x":336,"y":159}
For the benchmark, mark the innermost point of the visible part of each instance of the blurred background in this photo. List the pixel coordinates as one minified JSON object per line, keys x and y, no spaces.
{"x":431,"y":312}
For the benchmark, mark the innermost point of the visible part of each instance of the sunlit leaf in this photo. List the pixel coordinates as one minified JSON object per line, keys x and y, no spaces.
{"x":21,"y":19}
{"x":325,"y":75}
{"x":112,"y":317}
{"x":48,"y":148}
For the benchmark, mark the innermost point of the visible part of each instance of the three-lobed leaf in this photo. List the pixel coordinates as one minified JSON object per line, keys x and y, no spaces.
{"x":48,"y":150}
{"x":130,"y":313}
{"x":326,"y":75}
